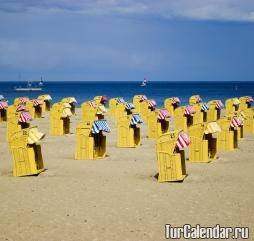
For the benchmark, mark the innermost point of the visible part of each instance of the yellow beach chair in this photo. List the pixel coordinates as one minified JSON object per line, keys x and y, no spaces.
{"x":113,"y":102}
{"x":72,"y":101}
{"x":214,"y":112}
{"x":90,"y":111}
{"x":46,"y":102}
{"x":26,"y":152}
{"x":170,"y":156}
{"x":232,"y":105}
{"x":101,"y":99}
{"x":60,"y":119}
{"x":137,"y":100}
{"x":227,"y":139}
{"x":17,"y":119}
{"x":184,"y":117}
{"x":3,"y":110}
{"x":158,"y":123}
{"x":128,"y":133}
{"x":171,"y":104}
{"x":203,"y":146}
{"x":20,"y":100}
{"x":90,"y":141}
{"x":35,"y":108}
{"x":146,"y":107}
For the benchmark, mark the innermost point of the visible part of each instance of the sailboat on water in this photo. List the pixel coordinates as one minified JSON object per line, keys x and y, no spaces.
{"x":144,"y":82}
{"x":30,"y":87}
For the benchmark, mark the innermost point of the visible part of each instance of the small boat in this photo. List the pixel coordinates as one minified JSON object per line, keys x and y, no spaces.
{"x":144,"y":82}
{"x":29,"y":87}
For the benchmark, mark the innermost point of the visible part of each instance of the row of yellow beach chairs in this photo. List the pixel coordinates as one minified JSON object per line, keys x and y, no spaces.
{"x":91,"y":144}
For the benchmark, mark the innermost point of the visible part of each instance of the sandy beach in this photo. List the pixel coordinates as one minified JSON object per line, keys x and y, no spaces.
{"x":118,"y":198}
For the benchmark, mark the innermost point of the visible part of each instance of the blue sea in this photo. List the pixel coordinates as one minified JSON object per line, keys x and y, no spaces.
{"x":156,"y":90}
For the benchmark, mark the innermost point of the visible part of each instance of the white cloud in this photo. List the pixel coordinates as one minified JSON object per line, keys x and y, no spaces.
{"x":222,"y":10}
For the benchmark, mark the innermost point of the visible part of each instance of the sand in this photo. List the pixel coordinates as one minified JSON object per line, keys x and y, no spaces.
{"x":118,"y":198}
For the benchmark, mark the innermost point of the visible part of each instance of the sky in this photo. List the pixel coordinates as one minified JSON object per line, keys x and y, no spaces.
{"x":125,"y":40}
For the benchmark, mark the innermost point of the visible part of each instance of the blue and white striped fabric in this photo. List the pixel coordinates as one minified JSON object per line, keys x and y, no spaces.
{"x":136,"y":119}
{"x":205,"y":107}
{"x":120,"y":100}
{"x":129,"y":106}
{"x":100,"y":125}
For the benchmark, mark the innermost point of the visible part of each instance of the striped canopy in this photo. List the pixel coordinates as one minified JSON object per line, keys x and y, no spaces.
{"x":143,"y":97}
{"x":136,"y":119}
{"x":236,"y":122}
{"x":205,"y":107}
{"x":21,"y":107}
{"x":129,"y":106}
{"x":175,"y":100}
{"x":219,"y":105}
{"x":92,"y":103}
{"x":23,"y":100}
{"x":34,"y":135}
{"x":120,"y":100}
{"x":25,"y":117}
{"x":249,"y":99}
{"x":182,"y":140}
{"x":152,"y":103}
{"x":212,"y":127}
{"x":38,"y":102}
{"x":189,"y":110}
{"x":100,"y":125}
{"x":3,"y":105}
{"x":163,"y":114}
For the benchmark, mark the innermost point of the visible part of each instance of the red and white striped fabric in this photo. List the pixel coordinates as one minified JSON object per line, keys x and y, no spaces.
{"x":38,"y":102}
{"x":25,"y":117}
{"x":236,"y":122}
{"x":189,"y":110}
{"x":143,"y":97}
{"x":21,"y":107}
{"x":249,"y":99}
{"x":219,"y":105}
{"x":152,"y":103}
{"x":3,"y":105}
{"x":93,"y":103}
{"x":163,"y":114}
{"x":175,"y":100}
{"x":23,"y":100}
{"x":183,"y":140}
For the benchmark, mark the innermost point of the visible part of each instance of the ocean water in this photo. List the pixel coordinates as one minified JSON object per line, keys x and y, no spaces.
{"x":158,"y":91}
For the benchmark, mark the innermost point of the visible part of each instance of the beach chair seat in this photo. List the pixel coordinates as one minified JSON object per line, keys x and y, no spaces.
{"x":60,"y":119}
{"x":128,"y":133}
{"x":226,"y":139}
{"x":113,"y":102}
{"x":203,"y":146}
{"x":90,"y":141}
{"x":90,"y":110}
{"x":171,"y":104}
{"x":46,"y":102}
{"x":214,"y":112}
{"x":26,"y":152}
{"x":158,"y":123}
{"x":171,"y":157}
{"x":137,"y":100}
{"x":232,"y":105}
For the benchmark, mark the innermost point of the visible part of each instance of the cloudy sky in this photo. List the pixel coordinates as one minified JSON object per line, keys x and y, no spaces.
{"x":127,"y":40}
